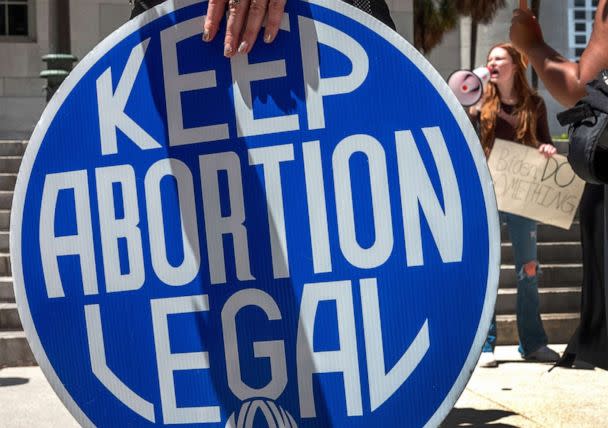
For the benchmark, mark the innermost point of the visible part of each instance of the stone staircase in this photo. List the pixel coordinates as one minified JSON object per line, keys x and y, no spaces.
{"x":559,"y":253}
{"x":14,"y":350}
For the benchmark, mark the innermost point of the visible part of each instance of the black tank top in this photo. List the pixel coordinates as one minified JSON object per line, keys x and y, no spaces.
{"x":376,"y":8}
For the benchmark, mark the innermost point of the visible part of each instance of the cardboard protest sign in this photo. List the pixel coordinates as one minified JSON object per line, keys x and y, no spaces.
{"x":303,"y":236}
{"x":530,"y":185}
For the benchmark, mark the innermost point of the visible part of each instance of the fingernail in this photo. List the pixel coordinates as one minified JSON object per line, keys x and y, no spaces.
{"x":267,"y":37}
{"x":243,"y":47}
{"x":206,"y":36}
{"x":227,"y":50}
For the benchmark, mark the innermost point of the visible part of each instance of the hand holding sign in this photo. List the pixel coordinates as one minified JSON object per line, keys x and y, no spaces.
{"x":525,"y":32}
{"x":547,"y":150}
{"x":541,"y":188}
{"x":289,"y":322}
{"x":245,"y":18}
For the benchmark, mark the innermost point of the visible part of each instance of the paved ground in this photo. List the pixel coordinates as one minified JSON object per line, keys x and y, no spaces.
{"x":522,"y":394}
{"x":516,"y":394}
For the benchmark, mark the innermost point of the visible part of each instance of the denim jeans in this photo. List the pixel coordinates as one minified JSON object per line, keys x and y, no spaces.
{"x":522,"y":232}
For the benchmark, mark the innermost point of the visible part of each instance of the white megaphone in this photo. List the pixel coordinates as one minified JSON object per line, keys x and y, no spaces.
{"x":468,"y":85}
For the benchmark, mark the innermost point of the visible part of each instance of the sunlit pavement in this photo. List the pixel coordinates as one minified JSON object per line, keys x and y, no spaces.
{"x":523,"y":394}
{"x":516,"y":394}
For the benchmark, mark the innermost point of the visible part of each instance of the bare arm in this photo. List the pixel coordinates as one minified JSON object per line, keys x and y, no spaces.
{"x":546,"y":147}
{"x":564,"y":79}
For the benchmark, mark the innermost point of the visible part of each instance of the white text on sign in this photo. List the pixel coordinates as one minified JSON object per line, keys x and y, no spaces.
{"x":416,"y":191}
{"x":142,"y":201}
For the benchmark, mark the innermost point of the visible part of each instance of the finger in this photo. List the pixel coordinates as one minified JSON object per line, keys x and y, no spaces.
{"x":521,"y":15}
{"x":547,"y":150}
{"x":257,"y":12}
{"x":276,"y":8}
{"x":523,"y":4}
{"x":237,"y":13}
{"x":215,"y":13}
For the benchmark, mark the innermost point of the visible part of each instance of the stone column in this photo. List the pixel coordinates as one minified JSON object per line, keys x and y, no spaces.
{"x":59,"y":60}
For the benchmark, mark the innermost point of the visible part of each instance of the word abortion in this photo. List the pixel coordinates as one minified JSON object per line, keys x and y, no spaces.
{"x":416,"y":196}
{"x":417,"y":193}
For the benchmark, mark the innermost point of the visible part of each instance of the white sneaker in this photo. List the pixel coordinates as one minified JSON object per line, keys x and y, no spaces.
{"x":487,"y":360}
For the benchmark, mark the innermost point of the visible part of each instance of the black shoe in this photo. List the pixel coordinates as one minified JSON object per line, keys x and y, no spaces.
{"x":544,"y":354}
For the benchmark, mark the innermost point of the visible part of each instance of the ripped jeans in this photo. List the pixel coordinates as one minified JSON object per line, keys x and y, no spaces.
{"x":522,"y":232}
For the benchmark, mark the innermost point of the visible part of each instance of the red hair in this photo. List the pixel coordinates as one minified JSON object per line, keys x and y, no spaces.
{"x":525,"y":109}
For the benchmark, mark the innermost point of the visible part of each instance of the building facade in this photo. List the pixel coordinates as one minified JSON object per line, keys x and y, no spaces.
{"x":24,"y":40}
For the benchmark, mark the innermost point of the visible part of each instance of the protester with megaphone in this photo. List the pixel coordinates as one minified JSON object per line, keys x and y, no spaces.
{"x":511,"y":110}
{"x":566,"y":81}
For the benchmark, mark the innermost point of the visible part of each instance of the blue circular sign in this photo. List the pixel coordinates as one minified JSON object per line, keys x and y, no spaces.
{"x":303,"y":236}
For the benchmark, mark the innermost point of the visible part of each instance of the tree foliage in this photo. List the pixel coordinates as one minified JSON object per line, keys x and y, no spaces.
{"x":481,"y":12}
{"x":432,"y":19}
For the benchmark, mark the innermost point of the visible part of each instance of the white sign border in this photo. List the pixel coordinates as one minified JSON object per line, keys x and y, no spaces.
{"x":168,"y":7}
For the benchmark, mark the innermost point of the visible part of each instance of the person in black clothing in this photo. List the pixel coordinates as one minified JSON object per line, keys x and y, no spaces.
{"x":566,"y":80}
{"x":248,"y":15}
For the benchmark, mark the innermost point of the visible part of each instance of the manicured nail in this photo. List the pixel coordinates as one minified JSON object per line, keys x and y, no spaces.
{"x":243,"y":47}
{"x":227,"y":50}
{"x":206,"y":36}
{"x":268,"y":37}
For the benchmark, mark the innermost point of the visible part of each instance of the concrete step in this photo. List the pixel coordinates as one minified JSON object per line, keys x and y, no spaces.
{"x":9,"y":317}
{"x":14,"y":350}
{"x":5,"y":265}
{"x":10,"y":164}
{"x":552,"y":300}
{"x":547,"y":233}
{"x":7,"y":181}
{"x":4,"y":248}
{"x":559,"y":328}
{"x":548,"y":252}
{"x":12,"y":147}
{"x":553,"y":275}
{"x":5,"y":219}
{"x":7,"y":294}
{"x":6,"y":199}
